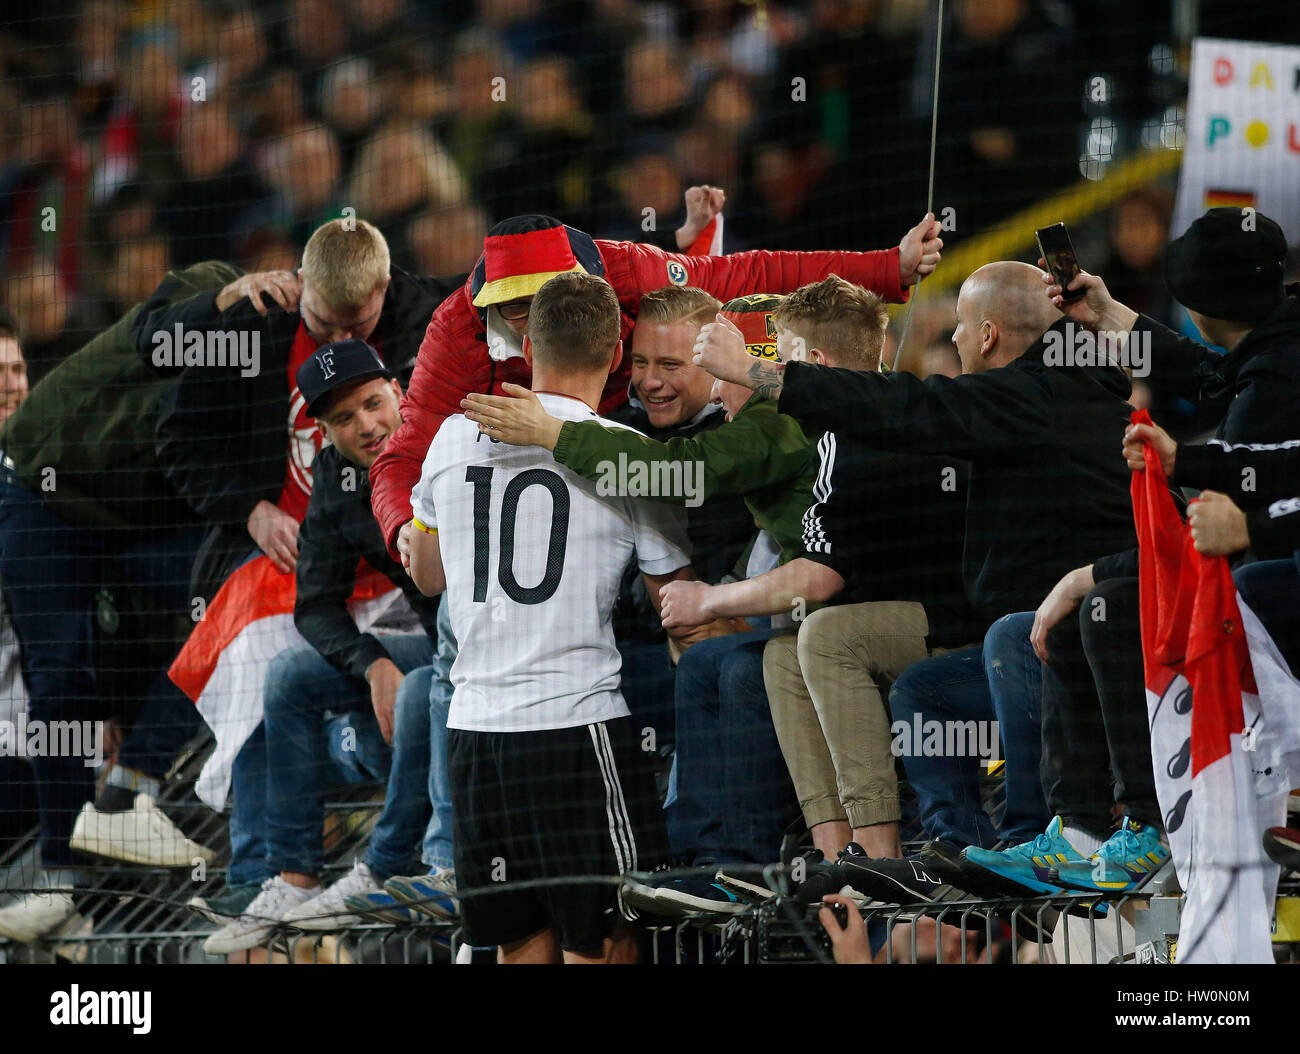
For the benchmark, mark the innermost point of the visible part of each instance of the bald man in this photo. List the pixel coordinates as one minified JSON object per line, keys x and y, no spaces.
{"x":1046,"y":490}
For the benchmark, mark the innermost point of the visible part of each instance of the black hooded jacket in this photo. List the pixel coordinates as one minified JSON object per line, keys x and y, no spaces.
{"x":223,"y":438}
{"x":1049,"y":489}
{"x":1255,"y":388}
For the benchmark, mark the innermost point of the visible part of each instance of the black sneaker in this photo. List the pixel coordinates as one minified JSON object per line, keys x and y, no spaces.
{"x":905,"y":881}
{"x":945,"y":860}
{"x":746,"y":881}
{"x":1282,"y":844}
{"x":820,"y":877}
{"x":684,"y":896}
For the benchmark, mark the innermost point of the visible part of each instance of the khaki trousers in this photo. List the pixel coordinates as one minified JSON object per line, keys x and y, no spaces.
{"x":825,"y":688}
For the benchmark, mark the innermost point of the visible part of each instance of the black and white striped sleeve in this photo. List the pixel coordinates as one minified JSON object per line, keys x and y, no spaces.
{"x":827,"y":538}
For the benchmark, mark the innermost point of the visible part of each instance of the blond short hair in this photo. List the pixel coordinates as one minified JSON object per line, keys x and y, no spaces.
{"x":842,"y":319}
{"x":678,"y":303}
{"x":346,"y":261}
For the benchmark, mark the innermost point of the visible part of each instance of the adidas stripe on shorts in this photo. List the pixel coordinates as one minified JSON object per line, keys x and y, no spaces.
{"x":554,"y":805}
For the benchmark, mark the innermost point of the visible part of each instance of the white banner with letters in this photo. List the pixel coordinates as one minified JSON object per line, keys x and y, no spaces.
{"x":1243,"y":133}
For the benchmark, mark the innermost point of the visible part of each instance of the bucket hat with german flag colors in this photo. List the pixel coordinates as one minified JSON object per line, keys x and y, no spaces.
{"x":523,"y":253}
{"x":752,"y":315}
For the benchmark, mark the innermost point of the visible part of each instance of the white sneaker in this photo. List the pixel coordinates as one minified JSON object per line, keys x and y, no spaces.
{"x":261,"y":918}
{"x":142,"y":834}
{"x":33,"y":915}
{"x":328,"y":911}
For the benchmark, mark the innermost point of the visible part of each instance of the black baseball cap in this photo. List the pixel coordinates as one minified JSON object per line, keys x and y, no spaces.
{"x":337,"y":364}
{"x":1228,"y":265}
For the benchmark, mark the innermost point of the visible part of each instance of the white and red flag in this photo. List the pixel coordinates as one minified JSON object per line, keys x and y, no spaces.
{"x":1223,"y":742}
{"x":222,"y":667}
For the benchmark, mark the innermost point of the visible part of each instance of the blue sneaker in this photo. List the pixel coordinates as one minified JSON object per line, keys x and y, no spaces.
{"x":382,"y":907}
{"x":1125,"y":861}
{"x":1027,"y":866}
{"x":433,"y":894}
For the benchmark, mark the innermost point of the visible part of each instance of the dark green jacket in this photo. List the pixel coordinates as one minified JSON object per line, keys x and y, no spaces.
{"x":92,"y":420}
{"x":761,"y":455}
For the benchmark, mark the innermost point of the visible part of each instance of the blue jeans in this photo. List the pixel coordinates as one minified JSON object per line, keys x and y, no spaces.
{"x":283,"y":771}
{"x":646,"y":682}
{"x":51,"y":572}
{"x":1000,"y":680}
{"x":1271,"y":588}
{"x":734,"y":795}
{"x":419,"y":760}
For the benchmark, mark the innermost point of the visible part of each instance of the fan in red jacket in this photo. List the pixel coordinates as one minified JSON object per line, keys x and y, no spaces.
{"x":474,"y":340}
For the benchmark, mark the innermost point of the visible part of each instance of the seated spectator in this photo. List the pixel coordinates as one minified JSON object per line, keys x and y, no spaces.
{"x":552,"y":162}
{"x":861,"y":541}
{"x":350,"y":103}
{"x":53,"y":321}
{"x":46,"y":164}
{"x":143,"y":129}
{"x":13,"y":368}
{"x":656,"y":88}
{"x":447,"y":241}
{"x":1230,"y":275}
{"x":478,"y":118}
{"x":218,"y":197}
{"x":137,"y":267}
{"x":1033,"y":434}
{"x":669,"y":398}
{"x":241,"y":49}
{"x":305,"y":169}
{"x":99,"y":25}
{"x":399,"y":172}
{"x":355,"y":398}
{"x":17,"y":787}
{"x":646,"y":178}
{"x":316,"y":32}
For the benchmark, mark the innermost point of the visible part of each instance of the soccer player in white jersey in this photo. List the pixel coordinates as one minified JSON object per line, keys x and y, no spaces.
{"x":550,"y":786}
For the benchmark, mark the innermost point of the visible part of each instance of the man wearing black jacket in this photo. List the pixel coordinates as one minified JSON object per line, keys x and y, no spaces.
{"x":355,"y":398}
{"x":1250,"y":499}
{"x":1045,"y":486}
{"x":232,"y":436}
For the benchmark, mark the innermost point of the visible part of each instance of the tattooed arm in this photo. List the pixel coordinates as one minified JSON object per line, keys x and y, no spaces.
{"x":720,"y":349}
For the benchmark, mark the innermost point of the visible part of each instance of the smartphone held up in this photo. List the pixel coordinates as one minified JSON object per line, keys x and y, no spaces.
{"x":1055,"y":248}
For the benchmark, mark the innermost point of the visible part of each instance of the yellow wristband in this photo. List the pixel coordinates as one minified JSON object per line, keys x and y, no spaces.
{"x":421,"y":527}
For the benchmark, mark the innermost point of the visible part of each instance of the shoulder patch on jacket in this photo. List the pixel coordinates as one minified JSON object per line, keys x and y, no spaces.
{"x":676,"y":272}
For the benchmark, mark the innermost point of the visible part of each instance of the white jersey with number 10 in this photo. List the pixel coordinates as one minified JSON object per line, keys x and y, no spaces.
{"x":533,"y":559}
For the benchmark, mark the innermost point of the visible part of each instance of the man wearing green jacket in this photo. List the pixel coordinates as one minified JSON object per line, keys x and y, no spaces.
{"x":87,"y":520}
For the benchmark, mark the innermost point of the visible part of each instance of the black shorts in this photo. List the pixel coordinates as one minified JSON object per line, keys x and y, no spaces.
{"x":532,"y":809}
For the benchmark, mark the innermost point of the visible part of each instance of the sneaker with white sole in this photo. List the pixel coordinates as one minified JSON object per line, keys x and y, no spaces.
{"x":381,"y":907}
{"x":262,"y":917}
{"x":329,"y":910}
{"x":142,"y":834}
{"x":433,"y":894}
{"x":33,"y":915}
{"x":229,"y":903}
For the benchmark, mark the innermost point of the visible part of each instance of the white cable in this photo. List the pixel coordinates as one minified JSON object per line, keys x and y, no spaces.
{"x":929,"y":194}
